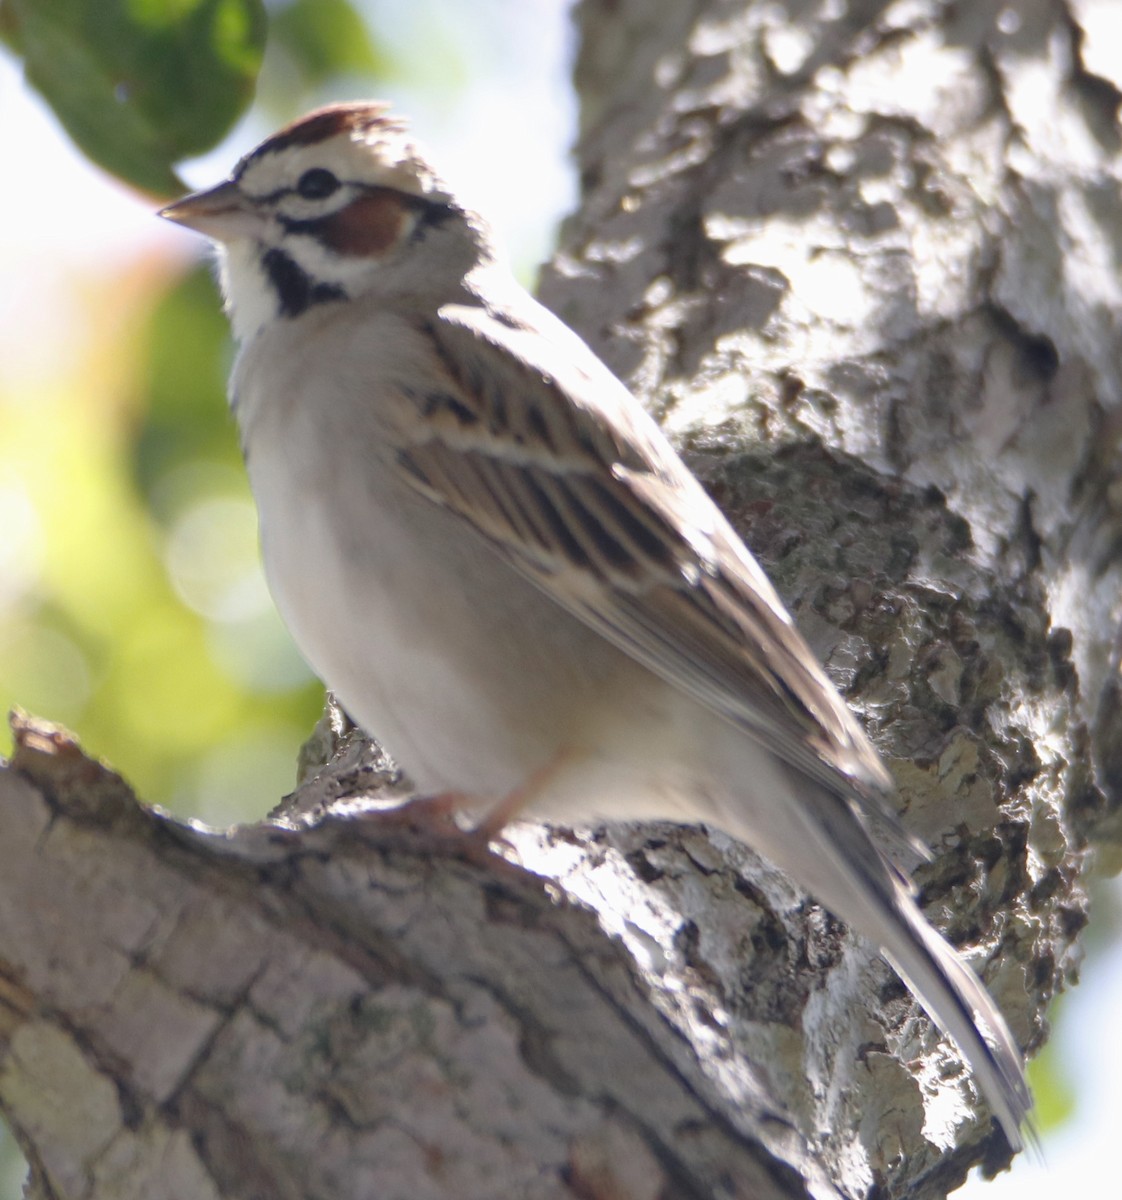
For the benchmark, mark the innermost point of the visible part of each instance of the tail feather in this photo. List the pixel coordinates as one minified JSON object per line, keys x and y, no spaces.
{"x":957,"y":1002}
{"x":823,"y":840}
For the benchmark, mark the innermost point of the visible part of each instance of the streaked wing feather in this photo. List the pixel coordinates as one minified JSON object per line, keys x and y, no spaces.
{"x":600,"y":513}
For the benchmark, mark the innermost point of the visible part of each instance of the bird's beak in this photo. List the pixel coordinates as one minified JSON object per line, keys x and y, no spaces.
{"x":222,"y":213}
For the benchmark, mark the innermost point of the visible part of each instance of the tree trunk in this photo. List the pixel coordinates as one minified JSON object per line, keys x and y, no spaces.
{"x":862,"y":260}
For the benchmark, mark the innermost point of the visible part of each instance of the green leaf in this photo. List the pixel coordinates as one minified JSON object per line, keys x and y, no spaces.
{"x":326,"y":38}
{"x":9,"y":36}
{"x":141,"y":84}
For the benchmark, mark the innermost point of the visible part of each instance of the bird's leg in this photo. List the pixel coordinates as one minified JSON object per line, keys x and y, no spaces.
{"x":500,"y":815}
{"x":435,"y":814}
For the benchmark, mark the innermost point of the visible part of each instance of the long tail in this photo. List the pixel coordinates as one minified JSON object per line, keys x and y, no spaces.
{"x":958,"y":1003}
{"x":825,"y":844}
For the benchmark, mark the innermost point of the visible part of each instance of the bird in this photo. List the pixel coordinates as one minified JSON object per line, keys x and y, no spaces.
{"x":489,"y":551}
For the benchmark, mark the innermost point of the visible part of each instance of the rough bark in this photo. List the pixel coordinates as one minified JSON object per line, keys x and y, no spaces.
{"x":862,"y":260}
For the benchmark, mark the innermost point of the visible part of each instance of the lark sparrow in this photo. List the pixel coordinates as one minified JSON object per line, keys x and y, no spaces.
{"x":489,"y":551}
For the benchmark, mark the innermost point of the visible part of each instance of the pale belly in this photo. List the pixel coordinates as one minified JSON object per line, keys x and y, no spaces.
{"x":470,"y":678}
{"x":459,"y":666}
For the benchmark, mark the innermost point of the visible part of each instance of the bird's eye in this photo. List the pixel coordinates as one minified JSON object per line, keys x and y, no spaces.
{"x":317,"y":183}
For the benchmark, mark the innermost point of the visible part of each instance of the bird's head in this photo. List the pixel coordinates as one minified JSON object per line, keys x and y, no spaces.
{"x":337,"y":205}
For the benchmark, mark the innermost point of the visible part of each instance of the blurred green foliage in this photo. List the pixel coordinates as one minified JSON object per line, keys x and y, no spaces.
{"x":144,"y":622}
{"x":1053,"y":1090}
{"x":141,"y":84}
{"x":326,"y":39}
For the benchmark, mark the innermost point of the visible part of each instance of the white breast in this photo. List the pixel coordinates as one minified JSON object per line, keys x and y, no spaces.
{"x":432,"y":643}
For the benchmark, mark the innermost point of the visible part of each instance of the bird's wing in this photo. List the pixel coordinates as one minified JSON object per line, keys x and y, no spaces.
{"x":535,"y":444}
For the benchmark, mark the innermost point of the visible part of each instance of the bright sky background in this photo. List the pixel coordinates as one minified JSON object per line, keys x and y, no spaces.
{"x":68,"y":228}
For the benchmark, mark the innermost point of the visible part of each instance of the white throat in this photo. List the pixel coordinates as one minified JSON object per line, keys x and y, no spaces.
{"x":251,"y":302}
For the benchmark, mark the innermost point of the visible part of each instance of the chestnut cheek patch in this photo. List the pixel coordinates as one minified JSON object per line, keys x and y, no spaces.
{"x":368,"y":226}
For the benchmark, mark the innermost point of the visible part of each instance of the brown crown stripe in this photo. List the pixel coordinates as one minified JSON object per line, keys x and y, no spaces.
{"x":329,"y":122}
